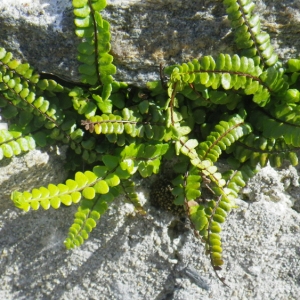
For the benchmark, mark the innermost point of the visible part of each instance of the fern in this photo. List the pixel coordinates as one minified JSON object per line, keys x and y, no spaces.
{"x":254,"y":42}
{"x":93,"y":52}
{"x":13,"y":143}
{"x":243,"y":107}
{"x":86,"y":218}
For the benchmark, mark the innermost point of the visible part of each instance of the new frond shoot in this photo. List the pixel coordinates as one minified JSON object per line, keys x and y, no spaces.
{"x":244,"y":108}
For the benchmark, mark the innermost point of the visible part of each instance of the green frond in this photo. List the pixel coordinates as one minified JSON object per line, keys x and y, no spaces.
{"x":275,"y":128}
{"x":93,"y":52}
{"x":206,"y":167}
{"x":16,"y":67}
{"x":215,"y":73}
{"x":236,"y":180}
{"x":260,"y":150}
{"x":86,"y":185}
{"x":293,"y":65}
{"x":207,"y":217}
{"x":14,"y":143}
{"x":106,"y":124}
{"x":217,"y":211}
{"x":248,"y":35}
{"x":224,"y":135}
{"x":20,"y":90}
{"x":206,"y":220}
{"x":226,"y":72}
{"x":187,"y":187}
{"x":86,"y":218}
{"x":275,"y":79}
{"x":129,"y":122}
{"x":287,"y":111}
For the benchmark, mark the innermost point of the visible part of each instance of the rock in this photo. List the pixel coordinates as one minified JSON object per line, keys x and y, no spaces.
{"x":145,"y":33}
{"x":155,"y":256}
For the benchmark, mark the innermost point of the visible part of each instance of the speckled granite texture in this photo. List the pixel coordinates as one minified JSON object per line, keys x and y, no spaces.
{"x":145,"y":33}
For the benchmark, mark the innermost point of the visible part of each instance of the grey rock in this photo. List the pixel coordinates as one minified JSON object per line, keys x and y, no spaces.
{"x":145,"y":33}
{"x":156,"y":256}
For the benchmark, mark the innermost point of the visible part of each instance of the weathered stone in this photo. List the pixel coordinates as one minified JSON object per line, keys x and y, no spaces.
{"x":155,"y":256}
{"x":145,"y":33}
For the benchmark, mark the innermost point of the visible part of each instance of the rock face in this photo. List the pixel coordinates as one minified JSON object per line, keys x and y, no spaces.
{"x":156,"y":256}
{"x":145,"y":33}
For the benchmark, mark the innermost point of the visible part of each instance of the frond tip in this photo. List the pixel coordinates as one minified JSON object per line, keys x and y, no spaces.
{"x":253,"y":42}
{"x":96,"y":63}
{"x":86,"y":218}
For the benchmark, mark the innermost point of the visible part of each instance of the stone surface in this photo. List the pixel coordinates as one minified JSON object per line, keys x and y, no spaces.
{"x":132,"y":257}
{"x":145,"y":33}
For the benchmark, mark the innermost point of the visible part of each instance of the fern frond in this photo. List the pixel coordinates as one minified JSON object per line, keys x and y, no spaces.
{"x":86,"y":185}
{"x":14,"y":143}
{"x":260,"y":150}
{"x":93,"y":51}
{"x":54,"y":195}
{"x":288,"y":112}
{"x":274,"y":128}
{"x":20,"y":91}
{"x":129,"y":122}
{"x":236,"y":180}
{"x":238,"y":73}
{"x":224,"y":135}
{"x":206,"y":220}
{"x":249,"y":37}
{"x":23,"y":70}
{"x":206,"y":217}
{"x":187,"y":187}
{"x":86,"y":218}
{"x":275,"y":79}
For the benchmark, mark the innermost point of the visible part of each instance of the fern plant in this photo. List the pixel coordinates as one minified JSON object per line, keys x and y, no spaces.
{"x":242,"y":107}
